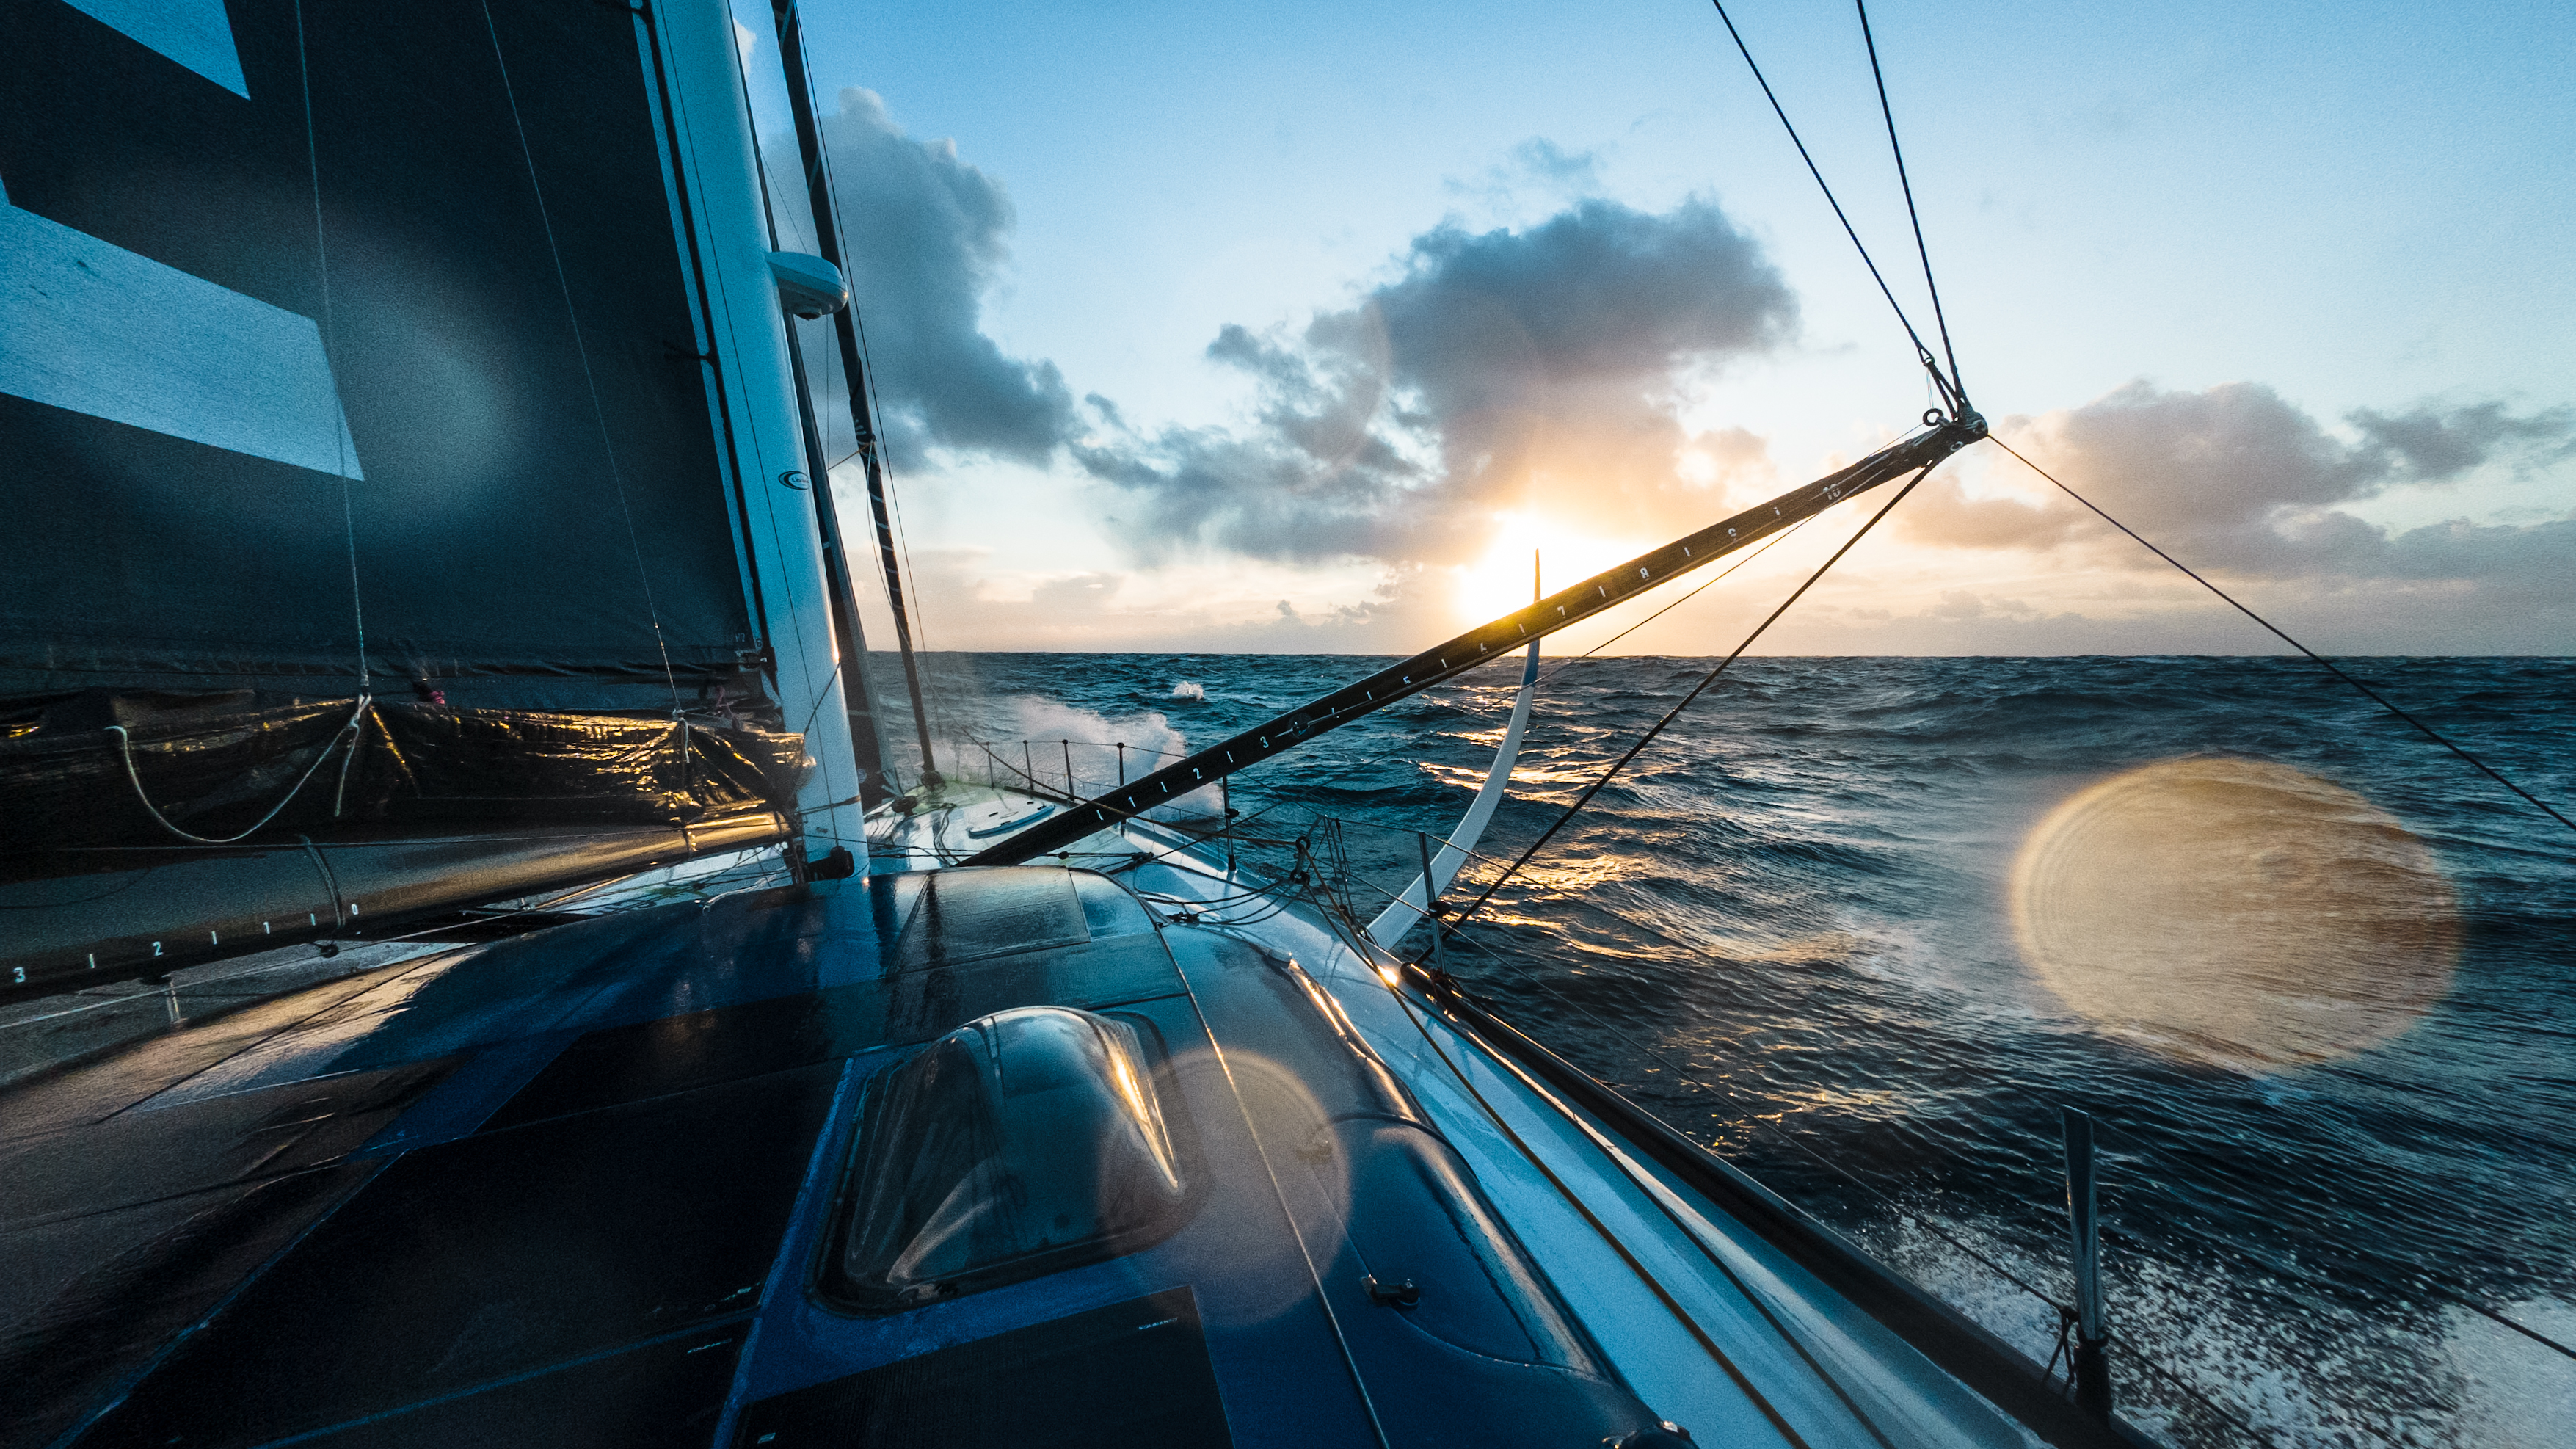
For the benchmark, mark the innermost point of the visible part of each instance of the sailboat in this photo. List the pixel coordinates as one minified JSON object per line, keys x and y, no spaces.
{"x":414,"y":459}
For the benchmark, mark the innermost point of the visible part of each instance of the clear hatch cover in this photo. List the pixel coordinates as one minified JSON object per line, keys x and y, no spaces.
{"x":1020,"y":1144}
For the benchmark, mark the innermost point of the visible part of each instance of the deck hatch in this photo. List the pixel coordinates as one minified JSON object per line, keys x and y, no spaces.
{"x":1022,"y":1143}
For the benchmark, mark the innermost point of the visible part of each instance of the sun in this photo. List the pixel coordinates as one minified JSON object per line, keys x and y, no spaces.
{"x":1499,"y":582}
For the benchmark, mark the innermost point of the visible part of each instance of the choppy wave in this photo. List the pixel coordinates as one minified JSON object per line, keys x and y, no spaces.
{"x":1787,"y":931}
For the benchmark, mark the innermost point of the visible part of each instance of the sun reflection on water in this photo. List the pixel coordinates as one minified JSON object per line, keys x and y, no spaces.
{"x":2235,"y":912}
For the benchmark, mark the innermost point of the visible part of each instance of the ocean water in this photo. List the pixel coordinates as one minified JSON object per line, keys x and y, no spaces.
{"x":1800,"y":928}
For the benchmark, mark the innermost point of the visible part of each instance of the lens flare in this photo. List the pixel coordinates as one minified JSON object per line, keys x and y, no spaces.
{"x":2235,"y":912}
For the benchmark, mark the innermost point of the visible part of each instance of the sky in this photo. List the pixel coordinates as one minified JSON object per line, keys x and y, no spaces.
{"x":1299,"y":328}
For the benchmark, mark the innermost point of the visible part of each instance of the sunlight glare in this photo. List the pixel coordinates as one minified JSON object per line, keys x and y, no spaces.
{"x":2235,"y":912}
{"x":1499,"y":582}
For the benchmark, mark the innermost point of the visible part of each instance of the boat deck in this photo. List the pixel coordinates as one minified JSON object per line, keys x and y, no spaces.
{"x":595,"y":1184}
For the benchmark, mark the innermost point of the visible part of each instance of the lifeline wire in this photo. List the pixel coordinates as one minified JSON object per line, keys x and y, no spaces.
{"x":2065,"y":1314}
{"x":2481,"y":766}
{"x":1449,"y":927}
{"x":1653,"y":1285}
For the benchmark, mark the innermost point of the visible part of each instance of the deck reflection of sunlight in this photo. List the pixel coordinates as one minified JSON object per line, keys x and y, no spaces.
{"x":2235,"y":912}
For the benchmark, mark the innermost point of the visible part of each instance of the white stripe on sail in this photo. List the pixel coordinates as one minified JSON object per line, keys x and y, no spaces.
{"x":195,"y":33}
{"x":93,"y":328}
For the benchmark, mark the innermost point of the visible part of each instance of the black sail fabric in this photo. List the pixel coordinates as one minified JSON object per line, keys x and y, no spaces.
{"x":321,"y":766}
{"x":446,"y":223}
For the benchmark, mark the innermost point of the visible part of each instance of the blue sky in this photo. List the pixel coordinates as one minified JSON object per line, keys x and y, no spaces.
{"x":2287,"y":283}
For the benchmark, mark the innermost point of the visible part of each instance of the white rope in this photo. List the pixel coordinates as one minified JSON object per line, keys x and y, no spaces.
{"x":125,"y":747}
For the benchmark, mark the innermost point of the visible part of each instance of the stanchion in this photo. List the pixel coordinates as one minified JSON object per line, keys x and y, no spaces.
{"x":2092,"y":1368}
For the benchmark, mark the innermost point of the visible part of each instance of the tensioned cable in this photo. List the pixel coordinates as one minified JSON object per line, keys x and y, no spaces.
{"x":1685,"y":1074}
{"x":331,"y":376}
{"x":1662,"y":1295}
{"x":1703,"y":585}
{"x":902,"y":534}
{"x":2481,"y":766}
{"x":1911,"y":214}
{"x":1922,"y":353}
{"x":2139,"y":1355}
{"x":919,"y":621}
{"x":1450,"y":926}
{"x":581,"y":349}
{"x":2291,"y":1274}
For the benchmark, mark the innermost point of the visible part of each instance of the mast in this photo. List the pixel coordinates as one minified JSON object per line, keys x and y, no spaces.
{"x":714,"y":151}
{"x":867,"y":740}
{"x":827,"y":237}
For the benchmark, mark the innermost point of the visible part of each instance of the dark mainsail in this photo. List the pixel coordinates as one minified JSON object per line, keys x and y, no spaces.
{"x":456,"y":231}
{"x":384,"y":450}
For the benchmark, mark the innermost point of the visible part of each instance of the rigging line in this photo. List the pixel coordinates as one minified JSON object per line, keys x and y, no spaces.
{"x":1922,"y":353}
{"x":1563,"y":664}
{"x":1760,"y":1302}
{"x":885,"y":467}
{"x":1684,"y":1074}
{"x":581,"y":349}
{"x":2422,"y":1280}
{"x":2289,"y":1291}
{"x":330,"y":341}
{"x":1530,"y":1155}
{"x":1920,"y":250}
{"x":831,"y":236}
{"x":1782,"y":1136}
{"x":2481,"y":766}
{"x":125,"y":747}
{"x":1697,"y":690}
{"x":2225,"y":1414}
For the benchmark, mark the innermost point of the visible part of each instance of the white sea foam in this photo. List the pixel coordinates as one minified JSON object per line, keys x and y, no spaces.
{"x":2514,"y":1393}
{"x":2300,"y":1376}
{"x":1189,"y":691}
{"x":1055,"y":732}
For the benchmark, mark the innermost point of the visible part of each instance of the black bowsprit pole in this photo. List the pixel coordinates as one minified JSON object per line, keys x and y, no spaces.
{"x":1560,"y":610}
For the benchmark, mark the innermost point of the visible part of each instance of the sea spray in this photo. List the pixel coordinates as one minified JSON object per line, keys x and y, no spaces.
{"x":1046,"y":734}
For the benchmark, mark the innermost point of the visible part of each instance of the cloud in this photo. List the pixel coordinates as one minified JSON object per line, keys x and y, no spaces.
{"x":1224,"y":607}
{"x":2433,"y":446}
{"x":928,"y":239}
{"x":1495,"y":371}
{"x":2237,"y":479}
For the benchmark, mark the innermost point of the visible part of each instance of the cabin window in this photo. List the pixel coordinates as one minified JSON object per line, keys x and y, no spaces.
{"x":1020,"y":1144}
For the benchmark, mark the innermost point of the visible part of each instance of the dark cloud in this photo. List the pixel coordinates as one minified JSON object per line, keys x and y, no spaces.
{"x":2434,"y":446}
{"x":928,"y":240}
{"x":2236,"y":478}
{"x":1496,"y":370}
